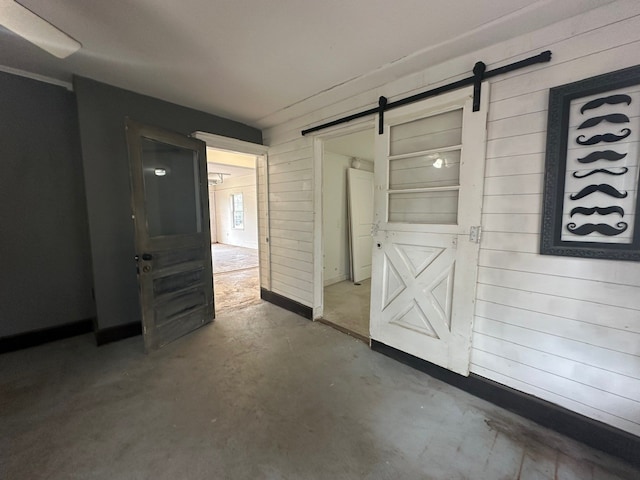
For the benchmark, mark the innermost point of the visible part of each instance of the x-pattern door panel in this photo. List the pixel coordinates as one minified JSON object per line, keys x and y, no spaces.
{"x":417,"y":289}
{"x":426,"y":289}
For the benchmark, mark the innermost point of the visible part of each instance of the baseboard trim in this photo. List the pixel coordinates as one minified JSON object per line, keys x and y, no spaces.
{"x":119,"y":332}
{"x":595,"y":434}
{"x":286,"y":303}
{"x":338,"y":279}
{"x":45,"y":335}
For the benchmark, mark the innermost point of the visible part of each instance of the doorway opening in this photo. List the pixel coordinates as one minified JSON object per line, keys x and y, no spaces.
{"x":347,"y":206}
{"x":233,"y":209}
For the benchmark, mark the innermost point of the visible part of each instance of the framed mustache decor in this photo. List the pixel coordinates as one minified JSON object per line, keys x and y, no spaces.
{"x":591,"y":206}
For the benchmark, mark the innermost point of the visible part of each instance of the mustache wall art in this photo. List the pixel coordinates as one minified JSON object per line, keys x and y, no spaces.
{"x":622,"y":102}
{"x":592,"y":168}
{"x":598,"y":210}
{"x":607,"y":137}
{"x":610,"y":100}
{"x":603,"y":187}
{"x":610,"y":155}
{"x":601,"y":170}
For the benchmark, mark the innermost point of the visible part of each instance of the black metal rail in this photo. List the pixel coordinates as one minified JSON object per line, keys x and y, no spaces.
{"x":479,"y":74}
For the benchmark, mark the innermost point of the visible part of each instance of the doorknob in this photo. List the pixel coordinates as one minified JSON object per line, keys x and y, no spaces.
{"x":147,"y":256}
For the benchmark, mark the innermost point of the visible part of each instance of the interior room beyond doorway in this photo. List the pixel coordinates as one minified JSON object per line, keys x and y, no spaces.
{"x":234,"y":228}
{"x":347,"y":205}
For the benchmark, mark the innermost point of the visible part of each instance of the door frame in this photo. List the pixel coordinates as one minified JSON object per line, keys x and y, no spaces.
{"x":233,"y":145}
{"x":318,"y":237}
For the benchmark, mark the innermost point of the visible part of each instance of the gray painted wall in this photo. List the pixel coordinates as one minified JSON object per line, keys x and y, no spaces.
{"x":101,"y":112}
{"x":45,"y":260}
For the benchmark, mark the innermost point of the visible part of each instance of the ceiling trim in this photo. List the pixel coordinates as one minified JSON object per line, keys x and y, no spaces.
{"x":230,"y":144}
{"x":35,"y":76}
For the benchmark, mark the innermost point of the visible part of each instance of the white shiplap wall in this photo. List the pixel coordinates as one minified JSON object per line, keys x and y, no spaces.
{"x":291,"y":219}
{"x":564,"y":329}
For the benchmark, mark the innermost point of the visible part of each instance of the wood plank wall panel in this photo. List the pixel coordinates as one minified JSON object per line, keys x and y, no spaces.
{"x":291,"y":219}
{"x":563,"y":329}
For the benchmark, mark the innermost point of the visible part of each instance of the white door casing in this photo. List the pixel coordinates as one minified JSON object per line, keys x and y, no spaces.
{"x":234,"y":145}
{"x":360,"y":195}
{"x":429,"y":177}
{"x":318,"y":244}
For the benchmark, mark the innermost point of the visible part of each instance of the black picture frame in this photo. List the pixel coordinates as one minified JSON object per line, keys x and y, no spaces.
{"x":554,"y":198}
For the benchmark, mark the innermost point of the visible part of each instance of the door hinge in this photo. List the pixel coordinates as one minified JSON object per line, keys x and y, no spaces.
{"x":475,"y":233}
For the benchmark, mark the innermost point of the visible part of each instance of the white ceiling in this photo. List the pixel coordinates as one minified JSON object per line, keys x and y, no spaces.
{"x":228,"y":170}
{"x":253,"y":60}
{"x":230,"y":163}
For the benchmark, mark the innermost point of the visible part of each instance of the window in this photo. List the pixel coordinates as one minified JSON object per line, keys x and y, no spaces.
{"x":237,"y":211}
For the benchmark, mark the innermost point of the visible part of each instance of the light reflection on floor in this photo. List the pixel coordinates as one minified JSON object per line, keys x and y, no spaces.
{"x":347,"y":306}
{"x":236,"y":277}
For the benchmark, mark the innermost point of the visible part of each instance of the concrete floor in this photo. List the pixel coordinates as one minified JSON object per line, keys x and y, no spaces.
{"x":236,"y":277}
{"x":261,"y":394}
{"x":346,"y":305}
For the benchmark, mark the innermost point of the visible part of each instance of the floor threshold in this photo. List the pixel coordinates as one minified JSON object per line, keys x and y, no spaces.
{"x":342,"y":329}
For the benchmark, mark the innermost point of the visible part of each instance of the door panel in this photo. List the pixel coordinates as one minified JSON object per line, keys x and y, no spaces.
{"x":420,"y":171}
{"x":171,"y":217}
{"x":439,"y":207}
{"x":426,"y":133}
{"x":360,"y":188}
{"x":429,"y":174}
{"x":416,"y":282}
{"x":171,"y":189}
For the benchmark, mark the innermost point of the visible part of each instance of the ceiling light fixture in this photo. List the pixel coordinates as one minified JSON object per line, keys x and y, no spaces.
{"x":216,"y":178}
{"x":35,"y":29}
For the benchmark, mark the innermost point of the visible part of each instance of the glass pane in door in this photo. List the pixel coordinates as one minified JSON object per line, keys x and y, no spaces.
{"x":425,"y":171}
{"x":440,"y":207}
{"x":171,"y":189}
{"x":429,"y":133}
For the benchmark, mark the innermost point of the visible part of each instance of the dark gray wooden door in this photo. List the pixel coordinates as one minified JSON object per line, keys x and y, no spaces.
{"x":173,"y":240}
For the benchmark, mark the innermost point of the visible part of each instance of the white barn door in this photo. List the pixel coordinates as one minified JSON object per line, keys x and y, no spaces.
{"x":429,"y":176}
